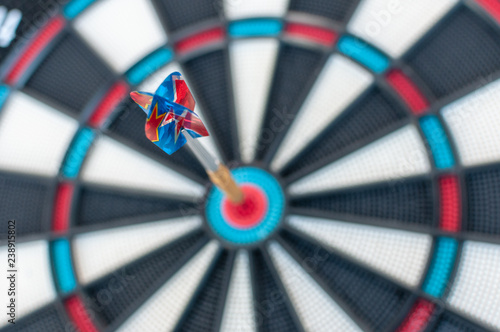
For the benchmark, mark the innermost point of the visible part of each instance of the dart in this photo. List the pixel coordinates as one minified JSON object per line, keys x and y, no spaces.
{"x":171,"y":123}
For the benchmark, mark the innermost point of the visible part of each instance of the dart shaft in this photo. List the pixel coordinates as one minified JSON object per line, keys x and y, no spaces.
{"x":209,"y":162}
{"x":218,"y":173}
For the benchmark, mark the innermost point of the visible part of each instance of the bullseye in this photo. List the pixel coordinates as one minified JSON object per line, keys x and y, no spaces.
{"x":254,"y":219}
{"x":249,"y":213}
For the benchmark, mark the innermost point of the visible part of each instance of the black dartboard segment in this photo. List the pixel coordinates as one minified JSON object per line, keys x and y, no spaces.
{"x":27,"y":198}
{"x":483,"y":213}
{"x":462,"y":51}
{"x":371,"y":298}
{"x":207,"y":306}
{"x":334,"y":10}
{"x":208,"y":77}
{"x":55,"y":77}
{"x":140,"y":278}
{"x":450,"y":322}
{"x":49,"y":318}
{"x":373,"y":115}
{"x":274,"y":314}
{"x":409,"y":202}
{"x":295,"y":71}
{"x":99,"y":205}
{"x":177,"y":15}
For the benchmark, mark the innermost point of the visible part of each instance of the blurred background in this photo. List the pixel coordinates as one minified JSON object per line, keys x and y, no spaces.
{"x":376,"y":121}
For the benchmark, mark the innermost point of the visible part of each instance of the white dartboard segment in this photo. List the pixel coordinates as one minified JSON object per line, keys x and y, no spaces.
{"x":252,"y":69}
{"x":474,"y":123}
{"x":476,"y":289}
{"x":34,"y":281}
{"x":316,"y":310}
{"x":101,"y":252}
{"x":239,"y":9}
{"x":34,"y":137}
{"x":121,"y":31}
{"x":338,"y":85}
{"x":401,"y":255}
{"x":398,"y":155}
{"x":114,"y":164}
{"x":396,"y":25}
{"x":162,"y":311}
{"x":153,"y":82}
{"x":239,"y":314}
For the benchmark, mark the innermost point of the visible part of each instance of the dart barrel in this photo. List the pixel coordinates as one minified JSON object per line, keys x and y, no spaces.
{"x":222,"y":178}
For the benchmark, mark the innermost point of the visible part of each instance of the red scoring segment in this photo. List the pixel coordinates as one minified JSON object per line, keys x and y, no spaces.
{"x":408,"y":91}
{"x":418,"y":317}
{"x":319,"y":35}
{"x":33,"y":50}
{"x":79,"y":314}
{"x":492,"y":7}
{"x":449,"y":195}
{"x":199,"y":40}
{"x":62,"y":207}
{"x":113,"y":97}
{"x":248,"y":214}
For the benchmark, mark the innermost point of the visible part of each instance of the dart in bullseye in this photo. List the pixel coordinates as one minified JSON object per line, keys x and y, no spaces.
{"x":171,"y":123}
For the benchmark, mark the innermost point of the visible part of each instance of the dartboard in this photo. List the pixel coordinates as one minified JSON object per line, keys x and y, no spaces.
{"x":367,"y":134}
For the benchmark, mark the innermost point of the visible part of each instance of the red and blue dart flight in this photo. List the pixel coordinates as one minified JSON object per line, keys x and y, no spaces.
{"x":171,"y":122}
{"x":170,"y":110}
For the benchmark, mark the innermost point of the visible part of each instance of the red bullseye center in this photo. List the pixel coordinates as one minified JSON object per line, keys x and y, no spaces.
{"x":249,"y":213}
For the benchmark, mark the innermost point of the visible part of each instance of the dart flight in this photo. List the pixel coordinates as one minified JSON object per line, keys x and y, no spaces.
{"x":170,"y":110}
{"x":171,"y":122}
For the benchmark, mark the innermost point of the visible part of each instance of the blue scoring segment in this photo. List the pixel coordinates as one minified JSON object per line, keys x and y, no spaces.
{"x":276,"y":202}
{"x":364,"y":53}
{"x":61,"y":256}
{"x":438,"y":141}
{"x":77,"y":151}
{"x":149,"y":65}
{"x":4,"y":93}
{"x":75,"y":7}
{"x":442,"y":263}
{"x":255,"y":27}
